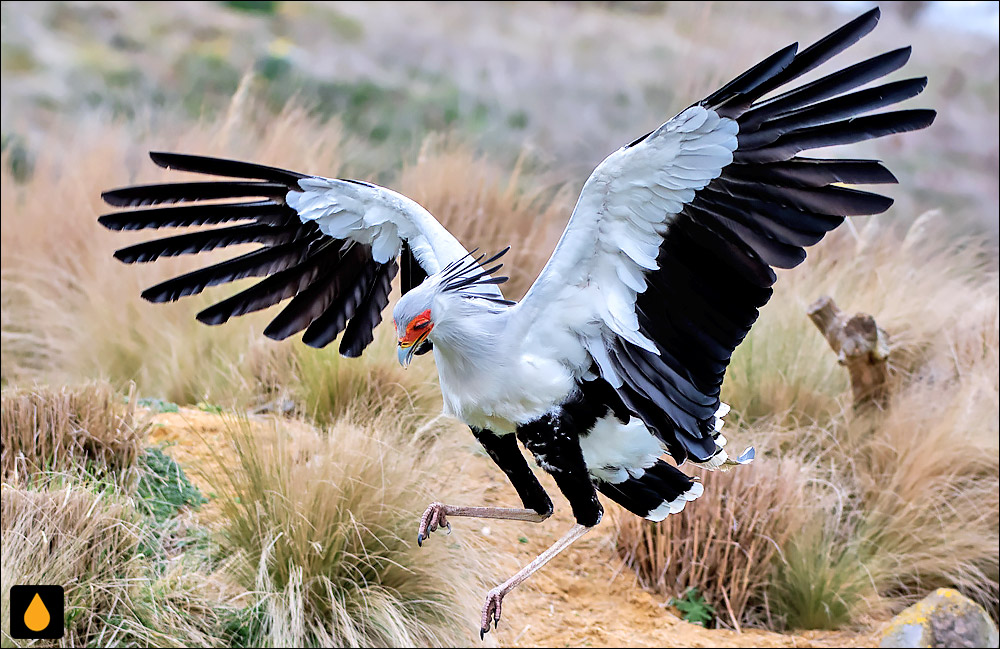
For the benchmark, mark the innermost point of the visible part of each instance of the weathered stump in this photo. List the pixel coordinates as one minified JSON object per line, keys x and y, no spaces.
{"x":861,"y":346}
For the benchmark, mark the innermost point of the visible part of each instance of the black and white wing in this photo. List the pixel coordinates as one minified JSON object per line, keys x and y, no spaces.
{"x":669,"y":253}
{"x":330,"y":245}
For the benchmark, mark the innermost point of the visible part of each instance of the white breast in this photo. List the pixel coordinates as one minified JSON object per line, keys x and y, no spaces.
{"x":500,"y":395}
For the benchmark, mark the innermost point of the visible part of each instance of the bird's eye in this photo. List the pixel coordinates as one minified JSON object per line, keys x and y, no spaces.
{"x":421,"y":325}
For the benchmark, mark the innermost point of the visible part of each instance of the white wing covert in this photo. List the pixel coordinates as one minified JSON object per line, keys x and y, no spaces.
{"x":669,"y":252}
{"x":329,"y":244}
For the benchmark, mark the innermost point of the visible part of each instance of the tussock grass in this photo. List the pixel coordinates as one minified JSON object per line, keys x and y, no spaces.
{"x":926,"y":478}
{"x":723,"y":544}
{"x":88,"y":430}
{"x":819,"y":582}
{"x":328,"y":386}
{"x":91,"y":544}
{"x":322,"y":530}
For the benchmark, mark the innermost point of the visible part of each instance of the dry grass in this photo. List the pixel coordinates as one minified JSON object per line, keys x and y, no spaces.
{"x":725,"y":543}
{"x":90,"y":543}
{"x":85,"y":430}
{"x":926,"y":478}
{"x":934,"y":294}
{"x":328,"y":385}
{"x":321,"y":526}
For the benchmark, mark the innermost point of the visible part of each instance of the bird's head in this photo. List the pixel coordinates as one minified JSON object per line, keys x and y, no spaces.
{"x":413,"y":317}
{"x":459,"y":292}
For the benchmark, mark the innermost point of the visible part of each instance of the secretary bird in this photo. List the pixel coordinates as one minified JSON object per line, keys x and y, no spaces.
{"x":617,"y":352}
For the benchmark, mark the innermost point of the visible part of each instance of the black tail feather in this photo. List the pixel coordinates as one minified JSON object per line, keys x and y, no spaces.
{"x":335,"y":283}
{"x":812,"y":172}
{"x":334,"y":319}
{"x":651,"y":492}
{"x":311,"y":303}
{"x":829,"y":86}
{"x":825,"y":112}
{"x":271,"y":290}
{"x":822,"y":51}
{"x":187,"y":215}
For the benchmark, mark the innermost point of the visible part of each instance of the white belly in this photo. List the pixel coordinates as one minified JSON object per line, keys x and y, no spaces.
{"x":500,"y":396}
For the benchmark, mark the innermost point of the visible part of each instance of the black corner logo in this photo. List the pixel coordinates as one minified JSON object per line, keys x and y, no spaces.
{"x":37,"y":612}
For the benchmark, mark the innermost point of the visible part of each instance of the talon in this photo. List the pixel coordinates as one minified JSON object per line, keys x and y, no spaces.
{"x":491,"y":610}
{"x":449,"y":528}
{"x":482,"y":633}
{"x":432,"y":518}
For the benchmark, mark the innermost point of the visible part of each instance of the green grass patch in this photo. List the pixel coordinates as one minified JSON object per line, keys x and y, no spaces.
{"x":163,"y":488}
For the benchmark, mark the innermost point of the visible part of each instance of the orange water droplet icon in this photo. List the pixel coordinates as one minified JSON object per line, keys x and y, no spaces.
{"x":37,"y":616}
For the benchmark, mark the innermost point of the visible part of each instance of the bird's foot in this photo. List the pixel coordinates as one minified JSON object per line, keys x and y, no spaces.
{"x":491,"y":611}
{"x":433,"y":518}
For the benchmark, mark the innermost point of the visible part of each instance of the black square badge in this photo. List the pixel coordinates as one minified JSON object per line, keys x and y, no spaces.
{"x":36,"y":612}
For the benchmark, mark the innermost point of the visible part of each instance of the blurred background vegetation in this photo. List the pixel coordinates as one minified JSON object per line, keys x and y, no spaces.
{"x":492,"y":116}
{"x":561,"y":84}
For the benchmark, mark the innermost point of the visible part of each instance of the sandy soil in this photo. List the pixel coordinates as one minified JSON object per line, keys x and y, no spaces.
{"x":585,"y":597}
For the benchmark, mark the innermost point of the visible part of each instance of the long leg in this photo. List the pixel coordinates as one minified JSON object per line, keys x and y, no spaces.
{"x":559,"y":453}
{"x":503,"y":450}
{"x":494,"y":599}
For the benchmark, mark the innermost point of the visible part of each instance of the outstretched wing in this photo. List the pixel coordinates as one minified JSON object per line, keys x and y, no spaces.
{"x":331,"y":245}
{"x":669,"y":253}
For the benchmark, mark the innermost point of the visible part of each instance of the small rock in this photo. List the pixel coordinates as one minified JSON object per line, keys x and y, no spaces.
{"x":945,"y":618}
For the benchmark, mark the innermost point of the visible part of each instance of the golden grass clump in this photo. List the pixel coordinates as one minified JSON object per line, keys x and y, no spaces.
{"x":321,"y":526}
{"x":89,"y":429}
{"x":91,"y":543}
{"x":926,"y":477}
{"x":327,"y":385}
{"x":724,"y":543}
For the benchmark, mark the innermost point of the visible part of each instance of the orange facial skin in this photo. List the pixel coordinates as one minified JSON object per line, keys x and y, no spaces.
{"x":416,"y":330}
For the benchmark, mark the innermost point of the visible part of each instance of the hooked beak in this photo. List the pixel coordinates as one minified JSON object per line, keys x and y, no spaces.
{"x":405,"y":354}
{"x":407,"y":349}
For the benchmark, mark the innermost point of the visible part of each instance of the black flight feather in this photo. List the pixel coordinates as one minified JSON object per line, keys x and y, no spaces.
{"x":224,"y":167}
{"x":177,"y":192}
{"x":360,"y":330}
{"x":715,"y":264}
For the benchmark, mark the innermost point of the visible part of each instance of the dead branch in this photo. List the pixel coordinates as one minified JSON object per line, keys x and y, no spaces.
{"x":861,"y":346}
